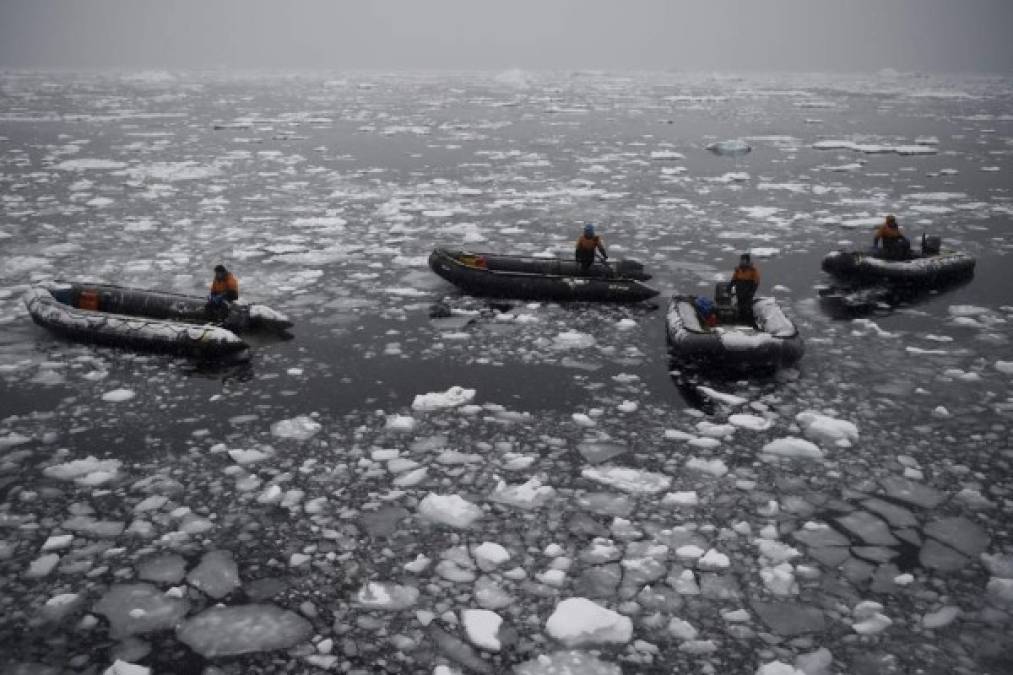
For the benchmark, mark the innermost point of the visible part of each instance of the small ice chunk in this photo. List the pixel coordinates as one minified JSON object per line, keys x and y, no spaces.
{"x":403,"y":423}
{"x":635,"y":481}
{"x":728,"y":399}
{"x":751,"y":422}
{"x":490,"y":555}
{"x":529,"y":495}
{"x":298,"y":428}
{"x":57,"y":542}
{"x":482,"y":627}
{"x":42,"y":566}
{"x":792,"y":447}
{"x":118,"y":395}
{"x":944,"y":616}
{"x":714,"y":467}
{"x":686,"y":498}
{"x":244,"y":457}
{"x":627,"y":406}
{"x":778,"y":668}
{"x":451,"y":510}
{"x":713,"y":560}
{"x":81,"y":468}
{"x":681,"y":629}
{"x":573,"y":340}
{"x":451,"y":398}
{"x":121,"y":667}
{"x":826,"y":429}
{"x":386,"y":596}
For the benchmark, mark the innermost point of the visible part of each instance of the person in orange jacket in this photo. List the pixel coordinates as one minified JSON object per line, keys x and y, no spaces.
{"x":224,"y":288}
{"x":587,"y":244}
{"x":745,"y":281}
{"x":895,"y":245}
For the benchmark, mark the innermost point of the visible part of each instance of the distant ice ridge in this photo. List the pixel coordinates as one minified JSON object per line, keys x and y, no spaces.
{"x":875,"y":148}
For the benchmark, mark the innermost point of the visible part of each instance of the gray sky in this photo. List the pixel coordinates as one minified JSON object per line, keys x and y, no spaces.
{"x":846,"y":35}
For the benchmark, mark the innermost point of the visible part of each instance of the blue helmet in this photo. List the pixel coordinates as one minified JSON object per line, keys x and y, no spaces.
{"x":589,"y":230}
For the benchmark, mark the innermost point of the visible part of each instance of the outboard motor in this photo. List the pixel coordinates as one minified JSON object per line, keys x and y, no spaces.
{"x":631,"y":269}
{"x":931,"y":245}
{"x":725,"y":308}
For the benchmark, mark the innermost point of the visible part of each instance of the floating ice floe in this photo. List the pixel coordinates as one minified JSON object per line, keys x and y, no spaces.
{"x":792,"y":447}
{"x":89,"y":164}
{"x":133,"y":609}
{"x":120,"y":667}
{"x":453,"y":397}
{"x":482,"y":628}
{"x":751,"y":422}
{"x":450,"y":510}
{"x":732,"y":148}
{"x":563,"y":662}
{"x":299,"y":428}
{"x":216,"y":575}
{"x":635,"y":481}
{"x":826,"y":429}
{"x":573,"y":339}
{"x":228,"y":631}
{"x":118,"y":395}
{"x":714,"y":467}
{"x":87,"y":471}
{"x":244,"y":457}
{"x":579,"y":621}
{"x":729,"y":399}
{"x":402,"y":423}
{"x":386,"y":596}
{"x":530,"y":495}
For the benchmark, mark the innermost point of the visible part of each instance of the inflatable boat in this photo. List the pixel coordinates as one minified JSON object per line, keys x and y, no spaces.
{"x":930,"y":268}
{"x":143,"y":319}
{"x":507,"y":276}
{"x":769,"y":342}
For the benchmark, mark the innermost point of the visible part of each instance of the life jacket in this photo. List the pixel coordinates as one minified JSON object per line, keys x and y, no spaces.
{"x":587,"y":244}
{"x":886,"y":232}
{"x":224,"y":286}
{"x":748,"y":273}
{"x":88,"y":300}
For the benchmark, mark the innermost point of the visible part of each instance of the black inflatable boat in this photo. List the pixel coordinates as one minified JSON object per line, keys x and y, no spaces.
{"x":507,"y":276}
{"x":143,"y":319}
{"x":769,"y":342}
{"x":930,"y":268}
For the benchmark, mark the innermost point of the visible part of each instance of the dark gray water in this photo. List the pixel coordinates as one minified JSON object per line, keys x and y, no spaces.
{"x":325,"y":194}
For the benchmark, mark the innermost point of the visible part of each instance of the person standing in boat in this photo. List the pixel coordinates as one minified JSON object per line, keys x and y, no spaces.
{"x":895,"y":245}
{"x":224,"y":289}
{"x":587,"y":244}
{"x":745,"y":281}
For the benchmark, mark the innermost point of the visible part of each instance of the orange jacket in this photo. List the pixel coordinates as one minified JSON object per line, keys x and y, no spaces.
{"x":229,"y":286}
{"x":746,"y":274}
{"x":589,"y":244}
{"x":884,"y":232}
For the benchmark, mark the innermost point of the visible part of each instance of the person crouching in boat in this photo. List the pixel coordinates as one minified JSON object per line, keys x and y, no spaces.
{"x":745,"y":281}
{"x":224,"y":289}
{"x":587,"y":244}
{"x":895,"y":245}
